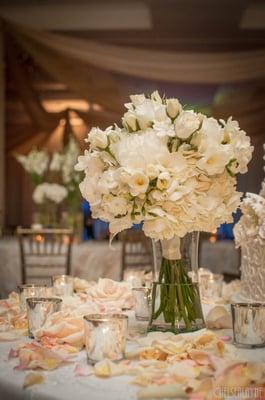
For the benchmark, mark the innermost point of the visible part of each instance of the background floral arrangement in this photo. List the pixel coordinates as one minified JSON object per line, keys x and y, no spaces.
{"x":173,"y":169}
{"x":55,"y":180}
{"x":251,"y":226}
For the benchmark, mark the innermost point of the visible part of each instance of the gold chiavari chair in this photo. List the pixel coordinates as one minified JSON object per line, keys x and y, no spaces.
{"x":136,"y":251}
{"x":44,"y":252}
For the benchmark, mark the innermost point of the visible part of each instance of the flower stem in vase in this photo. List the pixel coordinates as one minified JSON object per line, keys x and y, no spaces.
{"x":179,"y":306}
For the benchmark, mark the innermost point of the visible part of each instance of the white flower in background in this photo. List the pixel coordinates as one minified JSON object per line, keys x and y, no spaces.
{"x":56,"y":162}
{"x":171,"y":169}
{"x":97,"y":138}
{"x":187,"y":123}
{"x":69,"y":159}
{"x":251,"y":225}
{"x":36,"y":162}
{"x":49,"y":191}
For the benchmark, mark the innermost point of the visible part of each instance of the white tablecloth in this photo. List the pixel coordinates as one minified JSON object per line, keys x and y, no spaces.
{"x":62,"y":384}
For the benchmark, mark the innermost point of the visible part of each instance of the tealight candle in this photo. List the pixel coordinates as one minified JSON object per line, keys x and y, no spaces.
{"x":30,"y":290}
{"x":248,"y":324}
{"x":105,"y":336}
{"x":38,"y":310}
{"x":63,"y":284}
{"x":142,"y":298}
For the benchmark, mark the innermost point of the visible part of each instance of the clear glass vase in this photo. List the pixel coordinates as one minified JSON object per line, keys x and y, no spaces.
{"x":176,"y":304}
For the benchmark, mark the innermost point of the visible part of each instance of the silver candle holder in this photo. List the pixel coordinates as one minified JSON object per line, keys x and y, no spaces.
{"x":63,"y":285}
{"x":30,"y":290}
{"x":142,"y":303}
{"x":105,"y":336}
{"x":248,"y":324}
{"x":39,"y":309}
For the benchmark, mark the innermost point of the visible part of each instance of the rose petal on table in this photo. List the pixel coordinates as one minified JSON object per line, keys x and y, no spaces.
{"x":107,"y":368}
{"x":9,"y":336}
{"x":172,"y":391}
{"x":32,"y":379}
{"x":83,"y":370}
{"x":218,"y":318}
{"x":13,"y":353}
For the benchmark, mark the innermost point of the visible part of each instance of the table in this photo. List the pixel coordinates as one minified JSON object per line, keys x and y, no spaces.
{"x":94,"y":259}
{"x":61,"y":384}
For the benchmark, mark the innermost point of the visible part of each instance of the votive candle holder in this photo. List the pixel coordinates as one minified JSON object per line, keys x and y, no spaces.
{"x":105,"y":336}
{"x":38,"y":311}
{"x":142,"y":303}
{"x":63,"y":284}
{"x":30,"y":290}
{"x":248,"y":321}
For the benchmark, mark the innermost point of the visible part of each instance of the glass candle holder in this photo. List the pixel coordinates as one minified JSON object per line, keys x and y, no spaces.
{"x":63,"y":284}
{"x":105,"y":336}
{"x":142,"y":299}
{"x":248,"y":321}
{"x":30,"y":290}
{"x":39,"y":309}
{"x":134,"y":277}
{"x":211,"y":286}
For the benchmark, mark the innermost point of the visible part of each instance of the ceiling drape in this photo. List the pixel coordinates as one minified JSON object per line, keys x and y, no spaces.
{"x":203,"y":67}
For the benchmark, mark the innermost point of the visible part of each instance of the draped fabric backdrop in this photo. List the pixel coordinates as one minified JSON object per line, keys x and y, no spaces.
{"x":106,"y":74}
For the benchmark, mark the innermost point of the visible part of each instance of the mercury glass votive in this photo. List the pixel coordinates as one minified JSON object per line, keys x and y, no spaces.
{"x":211,"y":286}
{"x":63,"y":284}
{"x":39,"y":309}
{"x":105,"y":336}
{"x":142,"y":303}
{"x":248,"y":324}
{"x":30,"y":290}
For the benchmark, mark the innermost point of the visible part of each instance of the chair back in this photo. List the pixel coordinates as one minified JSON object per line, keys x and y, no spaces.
{"x":44,"y":252}
{"x":136,"y":251}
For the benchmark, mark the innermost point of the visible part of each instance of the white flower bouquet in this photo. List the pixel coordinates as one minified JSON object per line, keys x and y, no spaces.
{"x":55,"y":180}
{"x":174,"y":170}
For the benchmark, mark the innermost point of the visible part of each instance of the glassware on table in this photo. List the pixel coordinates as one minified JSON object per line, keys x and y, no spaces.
{"x":142,"y":299}
{"x":105,"y":336}
{"x":39,"y":309}
{"x":211,"y":286}
{"x":63,"y":284}
{"x":248,"y":321}
{"x":30,"y":290}
{"x":134,"y":276}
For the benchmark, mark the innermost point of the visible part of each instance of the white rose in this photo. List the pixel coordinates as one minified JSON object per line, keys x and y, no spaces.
{"x":164,"y":128}
{"x":138,"y":183}
{"x":98,"y":139}
{"x":173,"y":108}
{"x":186,"y":123}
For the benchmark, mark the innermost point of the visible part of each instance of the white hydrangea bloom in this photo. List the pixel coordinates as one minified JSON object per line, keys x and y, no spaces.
{"x":49,"y":191}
